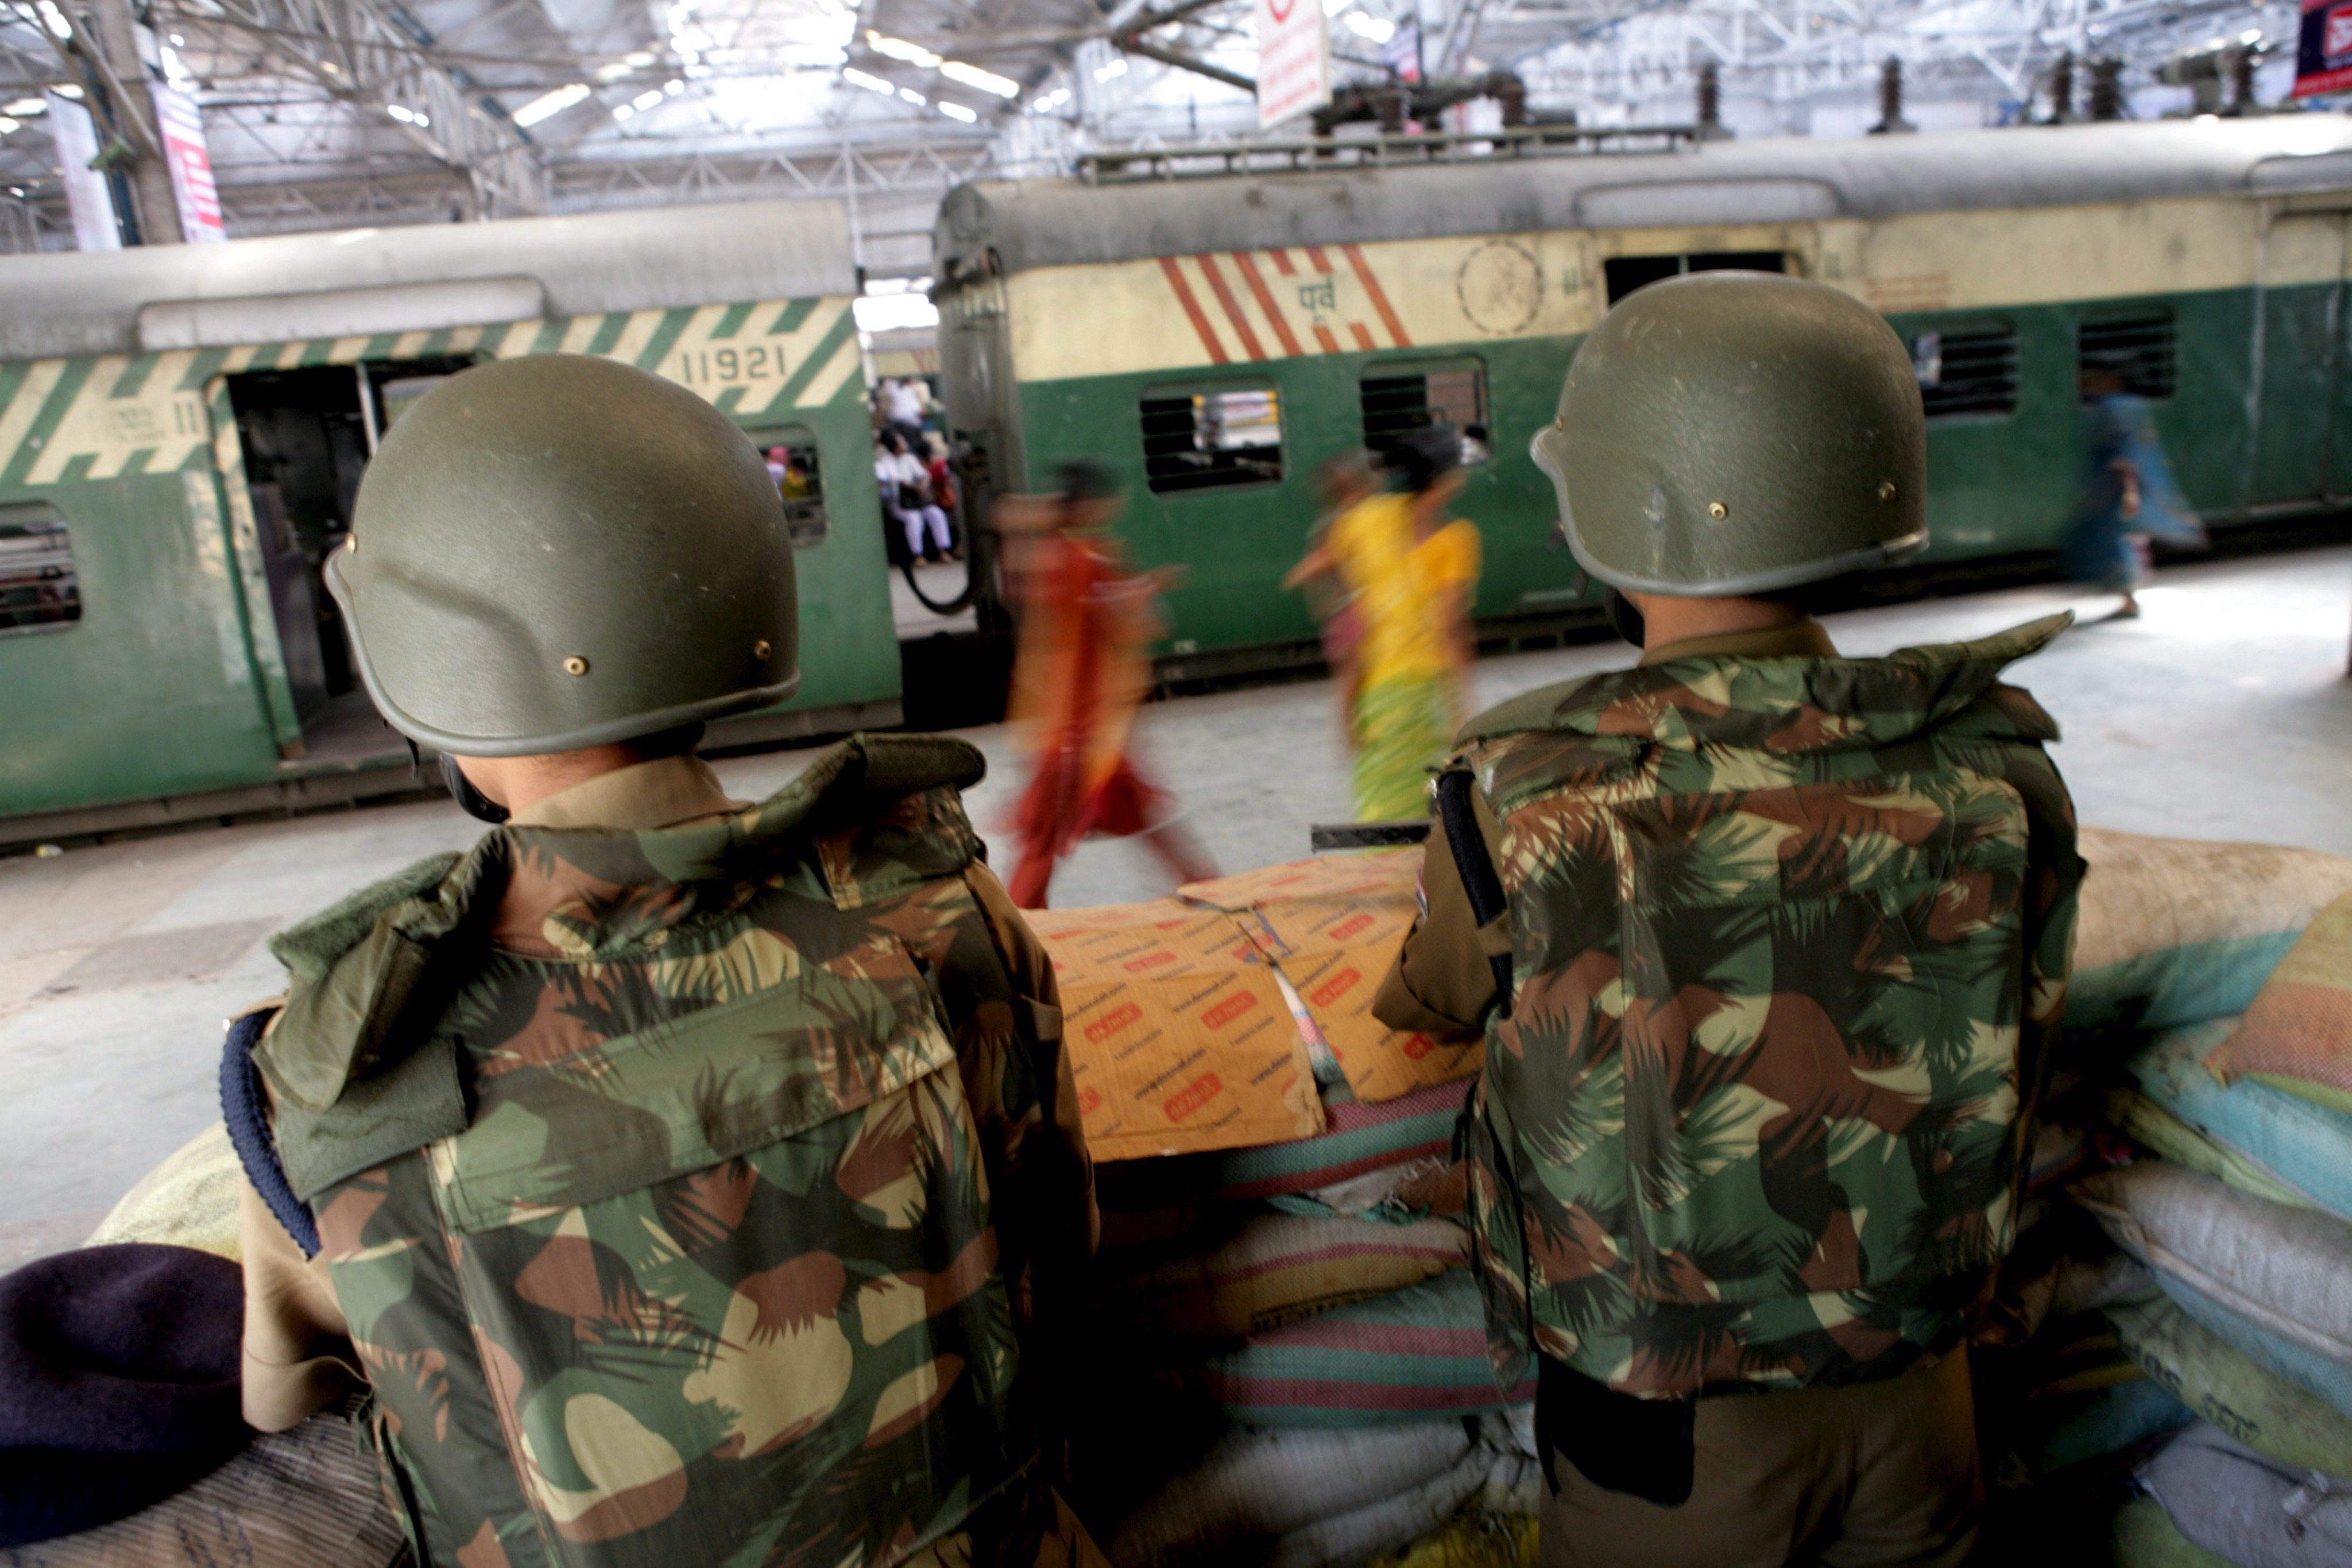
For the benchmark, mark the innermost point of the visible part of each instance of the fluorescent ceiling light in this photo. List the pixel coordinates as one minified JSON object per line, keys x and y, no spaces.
{"x":550,"y":103}
{"x":646,"y":99}
{"x":1050,"y":101}
{"x":25,"y":108}
{"x":639,"y":57}
{"x":1118,"y":68}
{"x":957,"y":112}
{"x":10,"y":127}
{"x":856,"y":78}
{"x":613,"y":71}
{"x":1377,"y":29}
{"x":55,"y":19}
{"x":987,"y":82}
{"x":899,"y":49}
{"x":624,"y":111}
{"x":911,"y":96}
{"x":66,"y":90}
{"x":673,"y":87}
{"x":407,"y":115}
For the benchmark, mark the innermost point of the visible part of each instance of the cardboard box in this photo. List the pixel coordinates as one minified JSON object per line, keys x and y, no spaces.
{"x":1180,"y":1037}
{"x":1178,"y":1034}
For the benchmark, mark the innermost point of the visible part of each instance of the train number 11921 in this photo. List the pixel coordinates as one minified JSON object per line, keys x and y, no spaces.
{"x":697,"y":366}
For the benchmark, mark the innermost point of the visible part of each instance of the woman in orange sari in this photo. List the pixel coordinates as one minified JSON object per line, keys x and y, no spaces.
{"x":1082,"y":669}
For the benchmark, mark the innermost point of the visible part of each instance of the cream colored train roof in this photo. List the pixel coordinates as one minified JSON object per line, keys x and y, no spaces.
{"x":1052,"y":223}
{"x":428,"y":276}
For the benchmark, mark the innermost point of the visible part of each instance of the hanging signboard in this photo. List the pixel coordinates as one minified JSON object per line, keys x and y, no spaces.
{"x":1294,"y":60}
{"x":2322,"y":55}
{"x":192,"y":190}
{"x":86,"y":196}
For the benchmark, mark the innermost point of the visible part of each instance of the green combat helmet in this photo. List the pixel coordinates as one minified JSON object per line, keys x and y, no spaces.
{"x":558,"y":551}
{"x":1734,"y":432}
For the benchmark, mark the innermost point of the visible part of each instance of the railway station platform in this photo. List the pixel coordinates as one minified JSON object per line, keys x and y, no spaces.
{"x":2223,"y":712}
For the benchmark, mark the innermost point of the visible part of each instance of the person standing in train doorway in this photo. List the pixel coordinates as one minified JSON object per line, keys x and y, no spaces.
{"x":1082,"y":669}
{"x":2130,"y":497}
{"x":687,"y":1180}
{"x":1409,"y":572}
{"x":1768,"y":946}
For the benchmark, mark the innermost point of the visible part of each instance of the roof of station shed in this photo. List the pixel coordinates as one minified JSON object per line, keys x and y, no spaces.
{"x":1053,"y":222}
{"x":362,"y":281}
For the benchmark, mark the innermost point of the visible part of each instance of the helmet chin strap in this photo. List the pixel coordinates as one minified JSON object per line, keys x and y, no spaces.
{"x":1623,"y":619}
{"x":471,"y":801}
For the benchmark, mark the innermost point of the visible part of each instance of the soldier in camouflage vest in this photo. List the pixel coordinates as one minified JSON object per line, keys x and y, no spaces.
{"x":683,"y":1182}
{"x":1767,"y":945}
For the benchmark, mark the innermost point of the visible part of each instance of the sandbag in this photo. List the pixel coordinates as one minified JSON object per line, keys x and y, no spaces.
{"x":2272,"y":1281}
{"x":2144,"y":1537}
{"x":1358,"y":1137}
{"x":291,"y":1500}
{"x":189,"y":1200}
{"x":2177,"y":931}
{"x":1402,"y":1358}
{"x":1391,"y":1522}
{"x":2257,"y":1407}
{"x":1253,"y":1272}
{"x":2294,"y":1142}
{"x":2297,"y":1034}
{"x":2251,"y":1511}
{"x":1256,"y":1487}
{"x":2160,"y":1132}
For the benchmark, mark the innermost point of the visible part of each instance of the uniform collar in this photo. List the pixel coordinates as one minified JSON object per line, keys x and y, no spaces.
{"x":1797,"y":640}
{"x":661,"y":794}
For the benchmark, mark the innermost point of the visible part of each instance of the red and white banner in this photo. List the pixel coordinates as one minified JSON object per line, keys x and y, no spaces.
{"x":1294,"y":60}
{"x":192,"y":190}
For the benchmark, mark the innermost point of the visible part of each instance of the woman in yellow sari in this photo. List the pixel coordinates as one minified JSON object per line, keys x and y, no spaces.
{"x":1410,"y":573}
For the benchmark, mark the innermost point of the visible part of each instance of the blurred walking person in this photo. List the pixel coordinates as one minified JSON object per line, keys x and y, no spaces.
{"x":1410,"y":572}
{"x":1336,"y":608}
{"x":1082,"y":670}
{"x":2131,"y":497}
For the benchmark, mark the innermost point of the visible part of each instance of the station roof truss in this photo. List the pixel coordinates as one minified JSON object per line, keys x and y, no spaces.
{"x":329,"y":114}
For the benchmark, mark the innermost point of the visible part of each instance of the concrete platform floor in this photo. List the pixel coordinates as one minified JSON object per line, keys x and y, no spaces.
{"x":2223,"y":712}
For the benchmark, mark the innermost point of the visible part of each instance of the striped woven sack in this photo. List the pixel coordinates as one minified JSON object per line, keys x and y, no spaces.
{"x":2285,"y":1148}
{"x":1361,"y":1137}
{"x":1405,"y":1357}
{"x":2297,"y":1034}
{"x":2175,"y":932}
{"x":1249,"y":1273}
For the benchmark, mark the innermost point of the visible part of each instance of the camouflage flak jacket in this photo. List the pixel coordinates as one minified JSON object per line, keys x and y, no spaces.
{"x":684,"y":1189}
{"x":1790,"y":935}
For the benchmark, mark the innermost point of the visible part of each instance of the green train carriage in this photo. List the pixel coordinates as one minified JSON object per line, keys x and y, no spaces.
{"x":1216,"y":323}
{"x":182,"y":430}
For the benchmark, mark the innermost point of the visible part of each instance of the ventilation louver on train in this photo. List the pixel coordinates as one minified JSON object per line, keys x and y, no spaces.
{"x":2137,"y":349}
{"x":1967,"y":369}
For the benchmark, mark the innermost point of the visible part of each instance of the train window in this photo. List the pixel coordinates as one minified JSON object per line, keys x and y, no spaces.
{"x":791,"y":455}
{"x":1202,"y":440}
{"x":39,"y":589}
{"x":1966,"y":369}
{"x":1624,"y":274}
{"x":2137,"y":349}
{"x":1396,"y":399}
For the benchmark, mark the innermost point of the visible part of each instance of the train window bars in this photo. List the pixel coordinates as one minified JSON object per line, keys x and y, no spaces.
{"x":791,"y":455}
{"x":1966,"y":369}
{"x":1624,"y":274}
{"x":1397,"y":399}
{"x":1212,"y":437}
{"x":2137,"y":349}
{"x":40,"y":589}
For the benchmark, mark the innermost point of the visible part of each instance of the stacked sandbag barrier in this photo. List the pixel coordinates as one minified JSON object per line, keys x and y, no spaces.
{"x":2199,"y":1230}
{"x":1305,"y":1350}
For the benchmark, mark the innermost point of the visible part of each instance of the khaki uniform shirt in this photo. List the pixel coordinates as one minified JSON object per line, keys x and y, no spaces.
{"x":1442,"y":983}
